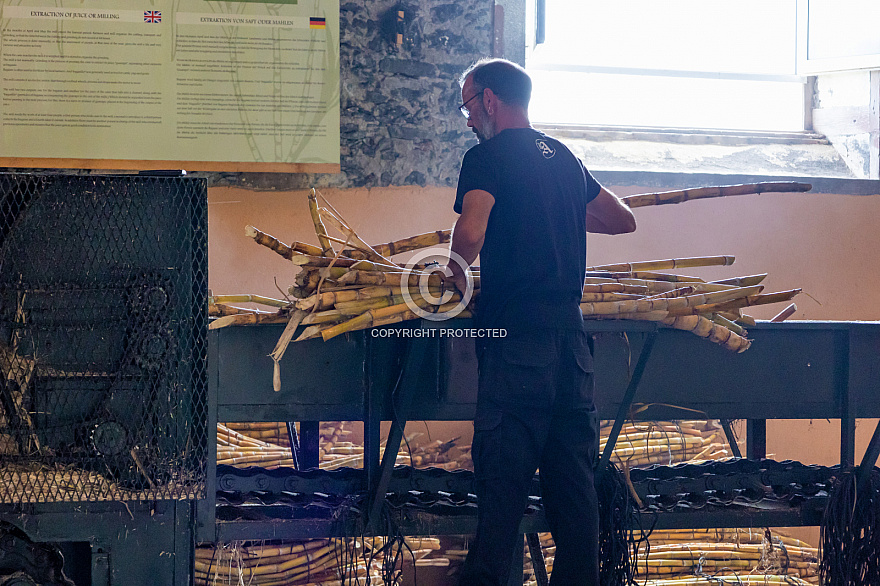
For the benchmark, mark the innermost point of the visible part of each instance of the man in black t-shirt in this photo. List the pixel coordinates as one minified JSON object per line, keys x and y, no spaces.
{"x":526,"y":204}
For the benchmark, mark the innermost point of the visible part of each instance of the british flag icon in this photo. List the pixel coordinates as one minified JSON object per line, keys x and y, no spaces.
{"x":152,"y":16}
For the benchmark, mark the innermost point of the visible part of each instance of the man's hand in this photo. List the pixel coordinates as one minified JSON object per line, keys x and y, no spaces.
{"x":458,"y":278}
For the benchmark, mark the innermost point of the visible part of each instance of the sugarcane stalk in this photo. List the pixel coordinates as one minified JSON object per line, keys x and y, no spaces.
{"x":313,"y":331}
{"x":320,"y":230}
{"x":614,"y":287}
{"x":654,"y":276}
{"x":643,"y":316}
{"x":386,"y":291}
{"x":735,"y":316}
{"x":746,"y":281}
{"x":245,"y":298}
{"x":322,"y":301}
{"x":248,"y":319}
{"x":784,"y":314}
{"x":745,"y":320}
{"x":706,"y":328}
{"x":374,"y":317}
{"x":679,"y":292}
{"x":660,"y":265}
{"x":749,"y":301}
{"x":306,"y":260}
{"x":331,"y":274}
{"x":649,"y":285}
{"x":281,"y":346}
{"x":279,"y":247}
{"x":339,"y":224}
{"x":356,"y":277}
{"x":679,"y":304}
{"x":257,"y":552}
{"x":414,"y":243}
{"x":732,"y":326}
{"x":594,"y":297}
{"x":304,"y":277}
{"x":360,"y":306}
{"x":679,"y":196}
{"x":221,"y":309}
{"x":329,"y":316}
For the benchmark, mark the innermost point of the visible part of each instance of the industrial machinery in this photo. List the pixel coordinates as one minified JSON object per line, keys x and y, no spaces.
{"x":103,"y":394}
{"x":112,"y":388}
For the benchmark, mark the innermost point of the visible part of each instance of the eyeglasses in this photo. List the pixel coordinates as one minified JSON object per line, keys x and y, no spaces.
{"x":464,"y":107}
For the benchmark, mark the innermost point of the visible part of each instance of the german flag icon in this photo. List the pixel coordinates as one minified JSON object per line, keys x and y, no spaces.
{"x":317,"y":22}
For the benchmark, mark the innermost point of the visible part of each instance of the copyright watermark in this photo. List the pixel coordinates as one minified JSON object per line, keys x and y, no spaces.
{"x":427,"y":304}
{"x":439,"y":333}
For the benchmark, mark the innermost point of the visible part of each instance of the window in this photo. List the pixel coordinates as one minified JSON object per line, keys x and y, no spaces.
{"x":667,"y":63}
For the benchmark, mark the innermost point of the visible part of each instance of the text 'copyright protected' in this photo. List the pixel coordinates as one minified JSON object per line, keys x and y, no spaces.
{"x":439,"y":333}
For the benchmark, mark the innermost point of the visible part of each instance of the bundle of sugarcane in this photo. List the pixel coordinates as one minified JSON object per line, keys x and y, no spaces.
{"x":236,"y":449}
{"x":330,"y":433}
{"x":680,"y":554}
{"x":359,"y":286}
{"x":645,"y":443}
{"x":303,"y":563}
{"x":706,"y":556}
{"x":418,"y":551}
{"x":710,"y":310}
{"x":242,"y":449}
{"x":274,"y":432}
{"x":448,"y":455}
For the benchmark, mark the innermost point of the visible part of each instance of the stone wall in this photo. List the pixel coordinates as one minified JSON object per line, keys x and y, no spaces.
{"x":399,"y":119}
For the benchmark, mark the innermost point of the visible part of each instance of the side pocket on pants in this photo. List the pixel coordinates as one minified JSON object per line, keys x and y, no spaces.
{"x":585,"y":383}
{"x":486,"y":449}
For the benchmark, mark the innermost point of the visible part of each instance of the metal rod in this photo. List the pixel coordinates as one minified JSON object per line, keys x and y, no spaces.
{"x":294,"y":444}
{"x":537,"y":556}
{"x":623,"y":409}
{"x":869,"y":460}
{"x":405,"y":389}
{"x":731,"y":438}
{"x":756,"y":439}
{"x":843,"y":359}
{"x":372,"y":419}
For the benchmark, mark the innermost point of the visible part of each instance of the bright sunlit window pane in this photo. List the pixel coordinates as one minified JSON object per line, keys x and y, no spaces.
{"x":631,"y":100}
{"x":655,"y":44}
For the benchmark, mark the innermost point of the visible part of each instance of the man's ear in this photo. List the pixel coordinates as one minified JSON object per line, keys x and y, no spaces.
{"x":490,"y":100}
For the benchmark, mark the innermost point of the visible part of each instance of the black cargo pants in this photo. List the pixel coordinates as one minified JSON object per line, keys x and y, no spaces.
{"x":535,"y":410}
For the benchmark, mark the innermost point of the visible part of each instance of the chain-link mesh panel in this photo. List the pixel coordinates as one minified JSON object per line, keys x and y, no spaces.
{"x":103,"y":350}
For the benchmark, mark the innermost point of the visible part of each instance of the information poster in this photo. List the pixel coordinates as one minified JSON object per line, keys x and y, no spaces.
{"x":210,"y":86}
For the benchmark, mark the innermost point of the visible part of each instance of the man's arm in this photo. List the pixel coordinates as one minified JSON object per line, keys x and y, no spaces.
{"x":607,"y":214}
{"x":470,"y":231}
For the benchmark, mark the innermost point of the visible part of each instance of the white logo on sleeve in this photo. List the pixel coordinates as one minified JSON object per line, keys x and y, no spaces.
{"x":546,"y":150}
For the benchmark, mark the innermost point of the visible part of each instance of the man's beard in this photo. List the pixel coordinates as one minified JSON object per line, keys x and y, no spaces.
{"x":489,"y":132}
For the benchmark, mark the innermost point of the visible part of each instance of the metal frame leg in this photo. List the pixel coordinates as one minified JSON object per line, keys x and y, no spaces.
{"x":416,"y":354}
{"x":626,"y":403}
{"x":869,"y":460}
{"x":731,"y":438}
{"x":756,"y":439}
{"x":537,"y":556}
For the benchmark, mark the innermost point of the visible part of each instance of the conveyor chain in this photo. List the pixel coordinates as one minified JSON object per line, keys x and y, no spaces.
{"x":343,"y":481}
{"x":716,"y":482}
{"x":749,"y":479}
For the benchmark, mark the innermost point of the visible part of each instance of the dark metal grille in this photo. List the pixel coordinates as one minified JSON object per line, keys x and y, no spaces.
{"x":103,"y":321}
